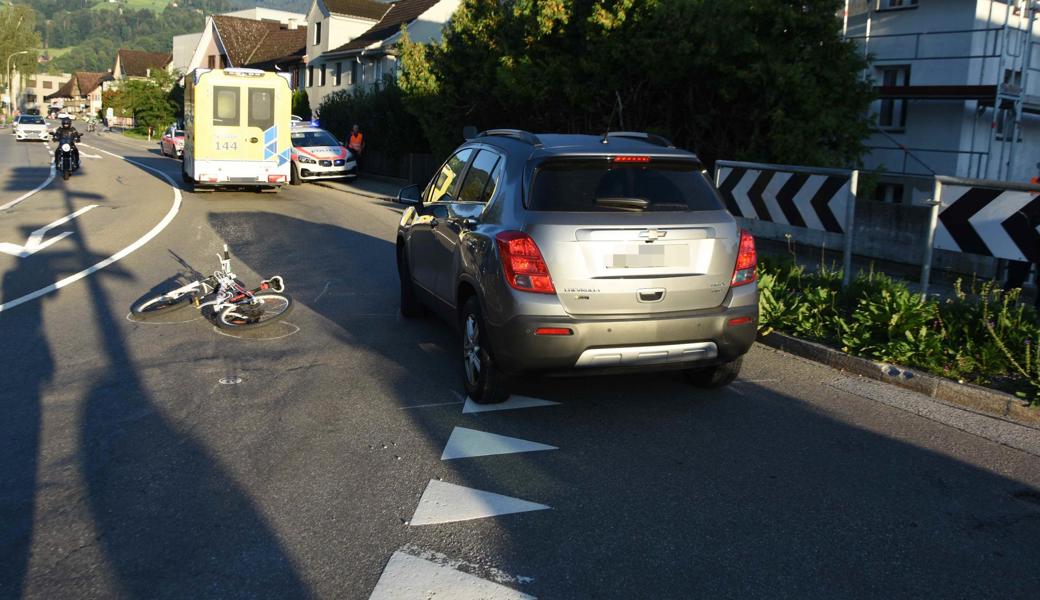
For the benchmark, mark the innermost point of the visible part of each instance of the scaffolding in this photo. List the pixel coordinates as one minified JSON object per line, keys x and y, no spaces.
{"x":1001,"y":95}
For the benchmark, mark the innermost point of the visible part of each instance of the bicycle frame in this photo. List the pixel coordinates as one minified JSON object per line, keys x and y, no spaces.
{"x":225,"y":286}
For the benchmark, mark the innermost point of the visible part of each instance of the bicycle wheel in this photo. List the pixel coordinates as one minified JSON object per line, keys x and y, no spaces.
{"x":164,"y":303}
{"x":266,"y":308}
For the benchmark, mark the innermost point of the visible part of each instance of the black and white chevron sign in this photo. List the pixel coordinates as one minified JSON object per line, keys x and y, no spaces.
{"x":989,"y":220}
{"x":803,"y":197}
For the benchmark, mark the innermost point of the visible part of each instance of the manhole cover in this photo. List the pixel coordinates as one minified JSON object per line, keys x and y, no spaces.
{"x":230,"y":380}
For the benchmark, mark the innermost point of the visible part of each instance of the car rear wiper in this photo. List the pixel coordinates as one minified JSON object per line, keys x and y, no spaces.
{"x":623,"y":203}
{"x":669,"y":206}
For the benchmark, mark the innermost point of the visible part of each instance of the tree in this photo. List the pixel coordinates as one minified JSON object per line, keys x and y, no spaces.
{"x":151,"y":102}
{"x":301,"y":104}
{"x":768,"y":80}
{"x":17,"y":34}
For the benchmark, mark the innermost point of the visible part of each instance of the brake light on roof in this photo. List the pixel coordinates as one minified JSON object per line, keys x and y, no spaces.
{"x":746,"y":269}
{"x":522,"y":263}
{"x":631,"y":159}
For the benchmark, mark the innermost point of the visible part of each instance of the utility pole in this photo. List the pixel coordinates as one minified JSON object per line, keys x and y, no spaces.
{"x":10,"y":88}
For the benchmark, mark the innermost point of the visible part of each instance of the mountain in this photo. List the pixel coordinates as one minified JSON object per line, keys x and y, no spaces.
{"x":86,"y":34}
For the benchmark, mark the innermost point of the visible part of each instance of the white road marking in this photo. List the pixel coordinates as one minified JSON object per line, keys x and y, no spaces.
{"x":408,"y":577}
{"x":85,"y":155}
{"x":166,"y":220}
{"x":431,"y":405}
{"x":35,"y":242}
{"x":444,"y":502}
{"x":512,"y":403}
{"x":467,"y":443}
{"x":29,"y":194}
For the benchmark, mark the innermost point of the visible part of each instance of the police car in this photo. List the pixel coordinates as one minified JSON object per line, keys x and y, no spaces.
{"x":317,"y":154}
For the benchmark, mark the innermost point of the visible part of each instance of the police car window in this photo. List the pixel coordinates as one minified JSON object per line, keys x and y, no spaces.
{"x":225,"y":106}
{"x":447,"y":177}
{"x":305,"y":139}
{"x":261,"y":108}
{"x":479,"y":177}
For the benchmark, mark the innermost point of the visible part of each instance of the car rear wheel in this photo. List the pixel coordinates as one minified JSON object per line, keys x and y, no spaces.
{"x":714,"y":377}
{"x":485,"y":383}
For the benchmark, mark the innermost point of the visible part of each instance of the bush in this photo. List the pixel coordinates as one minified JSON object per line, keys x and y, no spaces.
{"x":981,"y":334}
{"x":380,"y":112}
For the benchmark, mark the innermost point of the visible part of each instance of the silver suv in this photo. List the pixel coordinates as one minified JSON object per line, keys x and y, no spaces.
{"x":577,"y":253}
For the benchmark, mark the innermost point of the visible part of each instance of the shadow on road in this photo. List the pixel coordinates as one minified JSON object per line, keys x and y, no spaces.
{"x":171,"y":522}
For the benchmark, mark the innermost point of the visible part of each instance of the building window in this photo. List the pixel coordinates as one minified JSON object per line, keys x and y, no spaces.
{"x":212,"y":62}
{"x":317,"y":33}
{"x":48,"y":85}
{"x":339,"y":74}
{"x":896,"y":4}
{"x":310,"y":76}
{"x":352,"y":75}
{"x":893,"y":111}
{"x":321,"y":81}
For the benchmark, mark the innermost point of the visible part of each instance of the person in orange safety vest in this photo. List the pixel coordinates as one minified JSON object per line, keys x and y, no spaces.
{"x":356,"y":143}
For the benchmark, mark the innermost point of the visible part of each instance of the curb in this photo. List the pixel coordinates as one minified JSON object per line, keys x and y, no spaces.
{"x":332,"y":186}
{"x":963,"y":395}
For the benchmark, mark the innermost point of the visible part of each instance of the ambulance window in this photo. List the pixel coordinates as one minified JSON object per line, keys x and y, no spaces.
{"x":261,"y":108}
{"x":225,"y":106}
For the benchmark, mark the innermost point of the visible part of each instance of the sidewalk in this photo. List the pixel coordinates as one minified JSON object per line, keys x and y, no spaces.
{"x":370,"y":186}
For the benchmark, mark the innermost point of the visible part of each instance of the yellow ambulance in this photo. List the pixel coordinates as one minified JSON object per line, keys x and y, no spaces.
{"x":237,"y":124}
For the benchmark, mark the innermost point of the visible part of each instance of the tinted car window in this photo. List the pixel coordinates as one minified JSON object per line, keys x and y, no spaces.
{"x":603,"y":186}
{"x":225,"y":106}
{"x":445,"y":179}
{"x":261,"y":108}
{"x":305,"y":139}
{"x":479,"y":178}
{"x":30,"y":120}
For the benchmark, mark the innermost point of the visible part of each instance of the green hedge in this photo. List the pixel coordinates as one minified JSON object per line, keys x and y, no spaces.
{"x":981,"y":335}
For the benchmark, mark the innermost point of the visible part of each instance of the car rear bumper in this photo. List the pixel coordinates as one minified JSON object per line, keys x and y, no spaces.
{"x":646,"y":342}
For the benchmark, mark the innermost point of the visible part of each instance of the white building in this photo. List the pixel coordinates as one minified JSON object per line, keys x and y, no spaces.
{"x":351,"y":44}
{"x":37,"y":87}
{"x":959,"y":86}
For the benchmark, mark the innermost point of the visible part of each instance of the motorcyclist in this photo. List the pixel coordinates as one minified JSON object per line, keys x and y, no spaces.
{"x":67,"y":131}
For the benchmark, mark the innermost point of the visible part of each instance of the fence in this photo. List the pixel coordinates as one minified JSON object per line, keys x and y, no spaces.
{"x":416,"y":168}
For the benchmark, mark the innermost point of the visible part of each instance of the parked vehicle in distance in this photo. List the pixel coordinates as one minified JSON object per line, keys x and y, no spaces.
{"x":557,"y":254}
{"x":317,"y":154}
{"x":31,"y":127}
{"x":63,"y":115}
{"x":236,"y":125}
{"x":172,"y":142}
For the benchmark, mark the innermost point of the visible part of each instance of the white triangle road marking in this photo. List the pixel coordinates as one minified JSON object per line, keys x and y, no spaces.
{"x":467,"y":443}
{"x":408,"y":577}
{"x":444,"y":502}
{"x":513,"y":402}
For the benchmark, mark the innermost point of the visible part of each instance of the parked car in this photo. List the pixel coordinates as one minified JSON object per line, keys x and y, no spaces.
{"x":172,"y":142}
{"x":31,"y":127}
{"x":317,"y":154}
{"x":574,"y":253}
{"x":64,"y":115}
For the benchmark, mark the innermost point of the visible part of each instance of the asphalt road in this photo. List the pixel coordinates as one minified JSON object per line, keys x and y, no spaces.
{"x":128,"y":469}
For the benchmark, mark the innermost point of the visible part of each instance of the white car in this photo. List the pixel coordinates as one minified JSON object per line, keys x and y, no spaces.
{"x":317,"y":154}
{"x":31,"y":127}
{"x":64,"y":115}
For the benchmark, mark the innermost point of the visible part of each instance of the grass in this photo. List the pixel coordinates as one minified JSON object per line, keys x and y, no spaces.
{"x":156,"y":6}
{"x":137,"y":134}
{"x":56,"y":52}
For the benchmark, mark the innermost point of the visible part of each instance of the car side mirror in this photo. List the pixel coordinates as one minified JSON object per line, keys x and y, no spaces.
{"x":409,"y":196}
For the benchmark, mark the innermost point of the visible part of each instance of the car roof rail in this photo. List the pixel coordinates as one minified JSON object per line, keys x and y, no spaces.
{"x":519,"y":134}
{"x":651,"y":138}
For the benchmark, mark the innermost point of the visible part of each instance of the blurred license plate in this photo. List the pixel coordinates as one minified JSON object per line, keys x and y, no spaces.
{"x":649,"y":256}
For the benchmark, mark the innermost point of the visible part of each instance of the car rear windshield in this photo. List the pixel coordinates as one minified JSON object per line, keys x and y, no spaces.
{"x":601,"y":185}
{"x":304,"y":139}
{"x":178,"y":133}
{"x":31,"y":120}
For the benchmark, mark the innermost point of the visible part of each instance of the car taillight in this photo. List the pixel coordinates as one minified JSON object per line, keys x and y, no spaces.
{"x":746,"y":270}
{"x":522,"y":262}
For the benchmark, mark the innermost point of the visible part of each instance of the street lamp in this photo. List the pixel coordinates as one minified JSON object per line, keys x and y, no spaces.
{"x":10,"y":88}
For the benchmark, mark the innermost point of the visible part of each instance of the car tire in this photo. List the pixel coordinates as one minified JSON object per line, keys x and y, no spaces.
{"x":485,"y":383}
{"x":714,"y":377}
{"x":411,"y":306}
{"x":294,"y":176}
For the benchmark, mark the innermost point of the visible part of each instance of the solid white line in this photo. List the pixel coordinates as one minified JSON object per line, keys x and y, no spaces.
{"x":174,"y":208}
{"x":408,"y":577}
{"x":27,"y":195}
{"x":430,"y":405}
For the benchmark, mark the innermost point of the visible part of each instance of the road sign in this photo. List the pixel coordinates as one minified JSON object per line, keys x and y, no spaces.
{"x":989,"y":218}
{"x":797,"y":196}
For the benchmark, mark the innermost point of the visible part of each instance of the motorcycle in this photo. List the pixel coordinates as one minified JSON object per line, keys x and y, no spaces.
{"x":66,"y":156}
